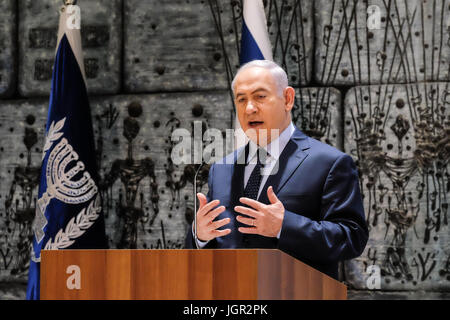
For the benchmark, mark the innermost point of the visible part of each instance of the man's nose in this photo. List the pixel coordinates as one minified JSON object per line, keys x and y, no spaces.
{"x":250,"y":108}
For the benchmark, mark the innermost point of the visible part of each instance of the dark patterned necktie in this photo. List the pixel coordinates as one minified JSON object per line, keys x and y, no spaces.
{"x":252,"y":187}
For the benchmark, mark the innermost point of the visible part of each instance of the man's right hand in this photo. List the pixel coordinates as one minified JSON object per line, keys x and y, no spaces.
{"x":206,"y":227}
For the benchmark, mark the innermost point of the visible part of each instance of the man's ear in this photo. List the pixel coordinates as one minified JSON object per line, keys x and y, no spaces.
{"x":289,"y":98}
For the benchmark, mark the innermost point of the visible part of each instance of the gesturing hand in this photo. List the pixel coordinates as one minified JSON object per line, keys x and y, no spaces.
{"x":206,"y":228}
{"x":266,"y":220}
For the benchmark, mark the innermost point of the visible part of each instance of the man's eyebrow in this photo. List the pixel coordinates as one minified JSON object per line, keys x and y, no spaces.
{"x":254,"y":91}
{"x":259,"y":89}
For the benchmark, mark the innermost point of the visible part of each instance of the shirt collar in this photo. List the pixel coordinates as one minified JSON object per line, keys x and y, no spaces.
{"x":274,"y":148}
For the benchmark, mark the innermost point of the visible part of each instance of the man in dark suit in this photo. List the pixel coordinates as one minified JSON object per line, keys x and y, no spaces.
{"x":283,"y":190}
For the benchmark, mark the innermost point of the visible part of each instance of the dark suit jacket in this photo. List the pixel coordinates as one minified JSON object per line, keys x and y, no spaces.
{"x":324,"y":220}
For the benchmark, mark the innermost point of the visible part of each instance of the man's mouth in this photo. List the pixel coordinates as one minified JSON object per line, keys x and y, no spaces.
{"x":254,"y":124}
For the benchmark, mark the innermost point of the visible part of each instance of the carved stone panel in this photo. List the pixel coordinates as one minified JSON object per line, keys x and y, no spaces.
{"x":173,"y":46}
{"x":381,"y":41}
{"x":101,"y":30}
{"x":147,"y":195}
{"x":399,"y":137}
{"x":22,"y":128}
{"x":8,"y":49}
{"x":291,"y":32}
{"x":317,"y":113}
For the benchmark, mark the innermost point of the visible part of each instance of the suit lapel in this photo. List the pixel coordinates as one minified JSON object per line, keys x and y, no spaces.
{"x":290,"y":159}
{"x":237,"y":180}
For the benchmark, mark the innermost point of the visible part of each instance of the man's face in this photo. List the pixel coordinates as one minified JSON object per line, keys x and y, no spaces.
{"x":260,"y":106}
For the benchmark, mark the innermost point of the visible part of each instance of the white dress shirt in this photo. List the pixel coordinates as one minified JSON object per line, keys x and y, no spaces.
{"x":274,"y":150}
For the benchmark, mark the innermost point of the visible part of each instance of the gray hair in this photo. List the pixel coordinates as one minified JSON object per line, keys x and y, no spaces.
{"x":279,"y":75}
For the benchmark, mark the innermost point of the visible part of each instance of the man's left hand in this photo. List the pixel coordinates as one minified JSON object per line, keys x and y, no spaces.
{"x":266,"y":219}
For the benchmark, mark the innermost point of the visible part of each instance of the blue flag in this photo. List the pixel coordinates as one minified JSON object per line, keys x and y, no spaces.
{"x":68,"y":211}
{"x":255,"y":42}
{"x":255,"y":45}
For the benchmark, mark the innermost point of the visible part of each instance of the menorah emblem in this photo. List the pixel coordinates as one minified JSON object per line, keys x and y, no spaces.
{"x":60,"y":184}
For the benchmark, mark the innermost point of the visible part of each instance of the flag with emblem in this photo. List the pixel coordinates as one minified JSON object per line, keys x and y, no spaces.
{"x":68,"y":210}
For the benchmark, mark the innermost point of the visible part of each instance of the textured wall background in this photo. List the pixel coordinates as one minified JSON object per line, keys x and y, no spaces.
{"x":372,"y":81}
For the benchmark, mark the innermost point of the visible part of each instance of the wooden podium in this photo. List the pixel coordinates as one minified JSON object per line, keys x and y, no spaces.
{"x":244,"y":274}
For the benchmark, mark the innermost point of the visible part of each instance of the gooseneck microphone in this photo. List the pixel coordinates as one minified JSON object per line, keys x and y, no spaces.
{"x":195,"y":203}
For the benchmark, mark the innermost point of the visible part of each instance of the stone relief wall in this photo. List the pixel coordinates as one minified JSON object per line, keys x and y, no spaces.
{"x":371,"y":78}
